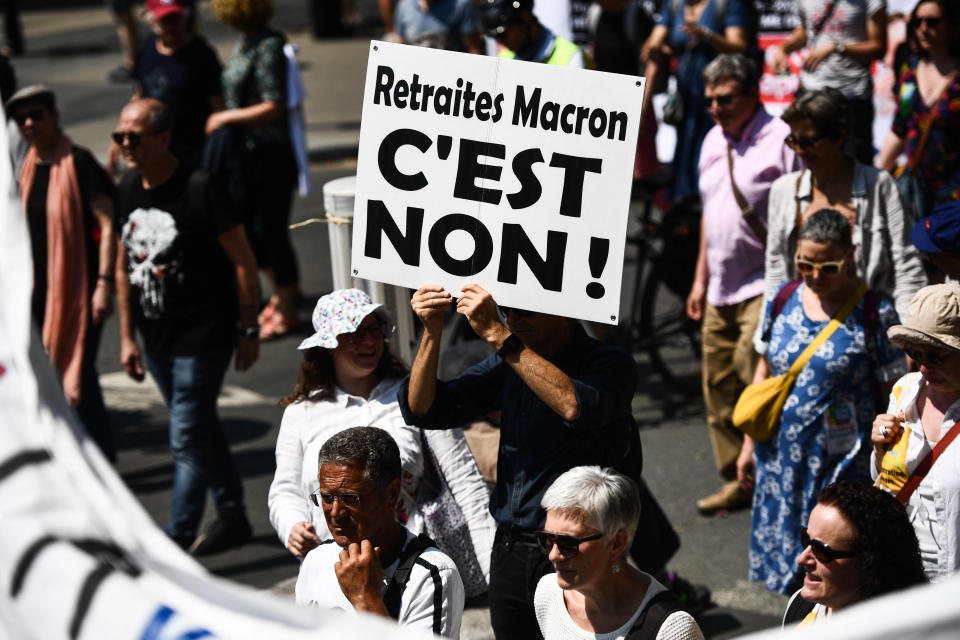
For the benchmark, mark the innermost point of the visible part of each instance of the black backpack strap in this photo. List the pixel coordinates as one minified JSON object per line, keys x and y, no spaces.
{"x":779,"y":301}
{"x":653,"y":616}
{"x":398,"y":583}
{"x":797,"y":610}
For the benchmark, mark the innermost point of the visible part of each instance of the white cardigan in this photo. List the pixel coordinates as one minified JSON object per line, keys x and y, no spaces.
{"x":307,"y":425}
{"x":886,"y":259}
{"x":943,"y":477}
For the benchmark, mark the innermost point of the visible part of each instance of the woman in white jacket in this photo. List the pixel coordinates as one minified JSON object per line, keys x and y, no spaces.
{"x":884,"y":259}
{"x":349,"y":378}
{"x":922,"y":418}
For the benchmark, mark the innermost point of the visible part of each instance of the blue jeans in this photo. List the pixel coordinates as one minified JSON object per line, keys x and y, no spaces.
{"x":201,"y":454}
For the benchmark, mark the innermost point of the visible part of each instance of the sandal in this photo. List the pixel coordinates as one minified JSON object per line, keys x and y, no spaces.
{"x":268,"y":310}
{"x":276,"y":326}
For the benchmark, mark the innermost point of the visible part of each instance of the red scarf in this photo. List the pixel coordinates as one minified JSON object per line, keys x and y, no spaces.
{"x":68,"y":292}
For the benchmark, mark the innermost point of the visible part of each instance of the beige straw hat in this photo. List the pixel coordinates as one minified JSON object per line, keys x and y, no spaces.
{"x":933,"y":319}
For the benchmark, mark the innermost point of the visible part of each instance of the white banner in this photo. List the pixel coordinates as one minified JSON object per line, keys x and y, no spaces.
{"x":512,"y":175}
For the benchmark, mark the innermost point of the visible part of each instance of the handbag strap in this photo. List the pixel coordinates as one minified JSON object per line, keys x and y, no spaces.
{"x":796,"y":198}
{"x":924,"y":467}
{"x":927,"y":124}
{"x":817,"y":28}
{"x":827,"y":331}
{"x":749,"y":215}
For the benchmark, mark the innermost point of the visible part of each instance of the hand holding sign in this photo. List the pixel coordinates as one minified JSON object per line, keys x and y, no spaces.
{"x":428,"y":303}
{"x":480,"y":309}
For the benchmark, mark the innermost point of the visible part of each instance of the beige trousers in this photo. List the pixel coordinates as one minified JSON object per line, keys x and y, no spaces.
{"x":729,"y":361}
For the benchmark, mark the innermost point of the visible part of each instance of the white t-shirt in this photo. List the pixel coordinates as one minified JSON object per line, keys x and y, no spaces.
{"x":556,"y":624}
{"x":307,"y":425}
{"x":433,"y":599}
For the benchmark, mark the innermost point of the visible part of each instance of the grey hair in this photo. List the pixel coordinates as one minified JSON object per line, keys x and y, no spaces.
{"x":826,"y":108}
{"x":369,"y":447}
{"x":732,"y":66}
{"x":828,"y":226}
{"x":609,"y":501}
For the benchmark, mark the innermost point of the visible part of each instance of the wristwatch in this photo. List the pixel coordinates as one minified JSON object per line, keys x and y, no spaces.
{"x":511,"y":345}
{"x":840,"y":48}
{"x":250,"y":333}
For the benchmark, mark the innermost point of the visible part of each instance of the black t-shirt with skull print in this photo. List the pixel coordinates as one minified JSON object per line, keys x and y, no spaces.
{"x":183,"y":285}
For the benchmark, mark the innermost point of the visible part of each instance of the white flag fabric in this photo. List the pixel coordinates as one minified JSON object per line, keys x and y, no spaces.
{"x":79,"y":556}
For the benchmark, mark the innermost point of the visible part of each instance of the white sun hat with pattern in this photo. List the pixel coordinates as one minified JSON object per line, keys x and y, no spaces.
{"x":342,"y":312}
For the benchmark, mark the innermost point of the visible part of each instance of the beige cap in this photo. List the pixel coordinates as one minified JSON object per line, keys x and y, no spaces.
{"x":933,"y":319}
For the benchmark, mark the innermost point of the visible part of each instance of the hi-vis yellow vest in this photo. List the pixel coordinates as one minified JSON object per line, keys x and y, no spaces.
{"x":563,"y":51}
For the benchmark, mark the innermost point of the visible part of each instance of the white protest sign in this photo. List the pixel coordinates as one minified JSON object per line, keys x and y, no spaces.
{"x":510,"y":174}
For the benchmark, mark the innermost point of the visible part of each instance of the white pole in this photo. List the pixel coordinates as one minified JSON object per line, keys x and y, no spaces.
{"x":338,"y":199}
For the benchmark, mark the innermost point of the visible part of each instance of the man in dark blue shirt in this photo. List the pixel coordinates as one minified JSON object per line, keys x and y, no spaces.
{"x":565,"y":401}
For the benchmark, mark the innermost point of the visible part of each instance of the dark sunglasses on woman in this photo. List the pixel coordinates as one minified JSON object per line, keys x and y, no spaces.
{"x":935,"y":358}
{"x":569,"y":546}
{"x":821,"y":550}
{"x":361,"y":333}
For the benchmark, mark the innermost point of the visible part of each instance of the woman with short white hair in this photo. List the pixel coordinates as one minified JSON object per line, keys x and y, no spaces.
{"x":592,"y":515}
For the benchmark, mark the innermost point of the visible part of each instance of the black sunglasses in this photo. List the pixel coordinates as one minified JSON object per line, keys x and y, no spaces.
{"x":20,"y":117}
{"x":930,"y":22}
{"x":821,"y":550}
{"x":522,"y":313}
{"x":722,"y":101}
{"x":356,"y":337}
{"x":346,"y":499}
{"x":798,"y":142}
{"x":935,"y":358}
{"x":569,"y":546}
{"x":134,"y":138}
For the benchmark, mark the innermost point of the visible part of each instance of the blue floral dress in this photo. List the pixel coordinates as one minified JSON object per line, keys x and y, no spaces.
{"x":824,"y":432}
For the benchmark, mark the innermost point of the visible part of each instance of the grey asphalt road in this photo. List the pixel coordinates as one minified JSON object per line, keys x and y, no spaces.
{"x":72,"y":48}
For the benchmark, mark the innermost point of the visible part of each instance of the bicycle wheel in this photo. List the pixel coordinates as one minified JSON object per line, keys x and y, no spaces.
{"x":666,"y":333}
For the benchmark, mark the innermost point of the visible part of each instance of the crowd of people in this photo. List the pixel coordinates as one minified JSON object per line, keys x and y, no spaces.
{"x":816,"y":266}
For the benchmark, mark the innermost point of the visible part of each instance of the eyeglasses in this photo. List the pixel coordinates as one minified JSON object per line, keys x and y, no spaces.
{"x":798,"y":142}
{"x":935,"y":358}
{"x":521,"y":313}
{"x":569,"y":546}
{"x":929,"y":22}
{"x":361,"y":333}
{"x":821,"y":550}
{"x":20,"y":117}
{"x":722,"y":101}
{"x":134,"y":138}
{"x":830,"y":268}
{"x":349,"y":500}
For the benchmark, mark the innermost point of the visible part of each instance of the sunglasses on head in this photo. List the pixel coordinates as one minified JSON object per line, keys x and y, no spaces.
{"x":20,"y":117}
{"x":522,"y":313}
{"x":930,"y":22}
{"x":346,"y":499}
{"x":821,"y":550}
{"x":830,"y":267}
{"x":134,"y":138}
{"x":373,"y":330}
{"x":569,"y":546}
{"x":800,"y":142}
{"x":722,"y":101}
{"x":935,"y":358}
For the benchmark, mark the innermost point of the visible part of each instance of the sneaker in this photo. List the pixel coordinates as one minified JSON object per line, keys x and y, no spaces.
{"x":121,"y":75}
{"x":694,"y":597}
{"x":730,"y":497}
{"x":222,"y":534}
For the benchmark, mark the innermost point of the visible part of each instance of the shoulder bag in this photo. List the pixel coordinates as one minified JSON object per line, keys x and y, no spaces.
{"x":757,"y":412}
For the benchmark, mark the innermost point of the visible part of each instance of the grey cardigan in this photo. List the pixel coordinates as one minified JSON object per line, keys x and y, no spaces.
{"x":886,"y":259}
